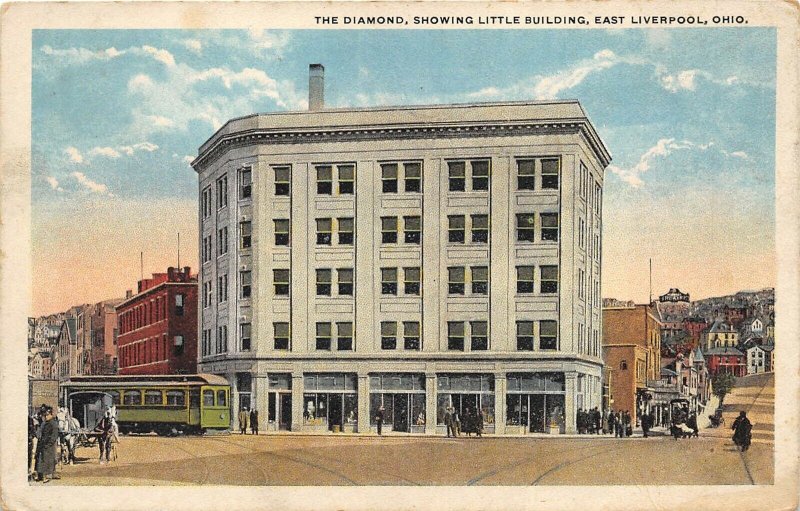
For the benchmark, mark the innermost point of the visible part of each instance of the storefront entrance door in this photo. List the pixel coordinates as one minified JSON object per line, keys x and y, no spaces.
{"x":285,"y":423}
{"x":400,"y":422}
{"x":335,"y":411}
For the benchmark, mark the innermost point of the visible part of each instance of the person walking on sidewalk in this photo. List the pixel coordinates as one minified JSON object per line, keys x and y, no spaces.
{"x":46,"y":449}
{"x":379,"y":419}
{"x":254,"y":421}
{"x":244,"y":417}
{"x":448,"y":422}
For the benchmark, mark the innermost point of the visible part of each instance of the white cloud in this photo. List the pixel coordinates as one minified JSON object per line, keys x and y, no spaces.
{"x":108,"y":152}
{"x":140,"y":82}
{"x":160,"y":55}
{"x":663,"y":148}
{"x":684,"y":80}
{"x":193,"y":45}
{"x":188,"y":159}
{"x":74,"y":154}
{"x":142,"y":146}
{"x":740,"y":154}
{"x":90,"y":185}
{"x":80,"y":55}
{"x":161,"y":121}
{"x":53,"y":182}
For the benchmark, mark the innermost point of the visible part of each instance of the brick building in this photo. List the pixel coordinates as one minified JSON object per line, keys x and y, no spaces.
{"x":726,"y":360}
{"x":158,"y":325}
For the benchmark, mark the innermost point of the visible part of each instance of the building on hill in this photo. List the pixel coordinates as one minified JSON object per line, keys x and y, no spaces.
{"x":726,"y":360}
{"x":66,"y":350}
{"x":696,"y":328}
{"x":721,"y":334}
{"x":352,"y":253}
{"x":735,"y":314}
{"x":157,"y":327}
{"x":759,"y":359}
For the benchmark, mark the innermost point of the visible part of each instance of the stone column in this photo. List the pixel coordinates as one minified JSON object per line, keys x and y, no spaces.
{"x":231,"y":377}
{"x":297,"y":401}
{"x":259,"y":400}
{"x":363,"y":403}
{"x":571,"y":381}
{"x":430,"y":403}
{"x":500,"y":387}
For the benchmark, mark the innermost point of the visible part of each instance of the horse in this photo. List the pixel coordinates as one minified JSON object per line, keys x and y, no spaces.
{"x":68,"y":429}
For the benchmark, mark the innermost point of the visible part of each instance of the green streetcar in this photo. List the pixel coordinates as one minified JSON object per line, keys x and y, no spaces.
{"x":164,"y":404}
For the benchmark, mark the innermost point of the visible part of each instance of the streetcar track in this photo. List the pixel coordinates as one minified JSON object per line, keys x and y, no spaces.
{"x":196,"y":457}
{"x":565,"y":464}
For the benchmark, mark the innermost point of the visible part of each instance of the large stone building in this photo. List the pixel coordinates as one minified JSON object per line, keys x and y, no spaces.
{"x":411,"y":257}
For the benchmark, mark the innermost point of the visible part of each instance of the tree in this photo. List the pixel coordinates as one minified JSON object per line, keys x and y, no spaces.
{"x":722,"y":383}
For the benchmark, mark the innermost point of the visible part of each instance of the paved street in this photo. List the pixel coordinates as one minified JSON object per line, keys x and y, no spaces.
{"x":405,"y":460}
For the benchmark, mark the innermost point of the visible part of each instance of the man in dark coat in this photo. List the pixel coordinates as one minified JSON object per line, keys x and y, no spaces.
{"x":479,"y":422}
{"x":254,"y":421}
{"x":448,"y":422}
{"x":742,"y":431}
{"x":104,"y":439}
{"x":611,"y":426}
{"x":379,"y":419}
{"x":46,"y":450}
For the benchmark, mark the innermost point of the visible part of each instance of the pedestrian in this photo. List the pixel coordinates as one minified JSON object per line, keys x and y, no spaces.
{"x":645,"y":424}
{"x":692,"y":423}
{"x":104,"y":427}
{"x":628,"y":424}
{"x":611,"y":429}
{"x":46,"y":448}
{"x":742,"y":431}
{"x":479,"y":422}
{"x":598,"y":421}
{"x":448,"y":422}
{"x":457,"y":422}
{"x":243,"y":419}
{"x":254,"y":421}
{"x":379,"y":419}
{"x":31,"y":444}
{"x":468,"y":421}
{"x":618,"y":426}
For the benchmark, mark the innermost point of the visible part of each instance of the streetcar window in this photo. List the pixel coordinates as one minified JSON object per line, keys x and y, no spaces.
{"x":194,"y":398}
{"x":176,"y":397}
{"x":153,"y":397}
{"x":221,"y":398}
{"x":132,"y":397}
{"x":114,"y":396}
{"x":208,"y":398}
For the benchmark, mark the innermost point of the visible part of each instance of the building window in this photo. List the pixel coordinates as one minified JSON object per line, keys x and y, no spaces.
{"x":526,"y":227}
{"x":581,"y":233}
{"x":281,"y":281}
{"x":412,"y":229}
{"x":524,"y":335}
{"x":455,"y":280}
{"x":245,"y":278}
{"x":550,"y":173}
{"x":206,"y":343}
{"x":344,"y":336}
{"x":282,"y":181}
{"x":222,"y":192}
{"x":480,"y":175}
{"x":548,"y":335}
{"x":222,"y":241}
{"x":323,"y":282}
{"x":345,"y":276}
{"x":549,"y":279}
{"x":526,"y":175}
{"x":325,"y":180}
{"x":623,"y":366}
{"x":389,"y":176}
{"x":413,"y":176}
{"x":457,"y":176}
{"x":281,"y":232}
{"x":480,"y":228}
{"x":525,"y":277}
{"x":389,"y":229}
{"x":345,"y":226}
{"x":222,"y":288}
{"x":179,"y":298}
{"x":411,"y":335}
{"x":455,"y":229}
{"x":246,"y":231}
{"x":206,"y":294}
{"x":244,"y":336}
{"x":388,"y":335}
{"x":388,"y":281}
{"x":347,"y":177}
{"x":324,"y":231}
{"x":206,"y":249}
{"x":480,"y":280}
{"x":479,"y":335}
{"x":549,"y":226}
{"x":455,"y":335}
{"x":411,"y":281}
{"x":245,"y":183}
{"x":323,"y":336}
{"x":206,"y":202}
{"x":223,"y":339}
{"x":281,"y":336}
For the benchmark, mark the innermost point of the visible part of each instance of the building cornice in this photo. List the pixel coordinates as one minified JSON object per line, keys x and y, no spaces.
{"x":399,"y":131}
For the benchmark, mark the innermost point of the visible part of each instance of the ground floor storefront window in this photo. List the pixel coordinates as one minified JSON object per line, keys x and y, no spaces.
{"x":465,"y":393}
{"x":279,"y":402}
{"x":330,"y":402}
{"x":535,"y":403}
{"x":403,"y":399}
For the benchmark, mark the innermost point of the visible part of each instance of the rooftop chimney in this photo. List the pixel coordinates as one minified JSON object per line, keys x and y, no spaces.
{"x":316,"y":87}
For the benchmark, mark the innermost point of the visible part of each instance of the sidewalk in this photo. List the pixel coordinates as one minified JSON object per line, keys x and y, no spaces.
{"x":637,"y":435}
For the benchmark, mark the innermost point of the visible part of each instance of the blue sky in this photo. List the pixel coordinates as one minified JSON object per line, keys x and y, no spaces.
{"x":688,"y":115}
